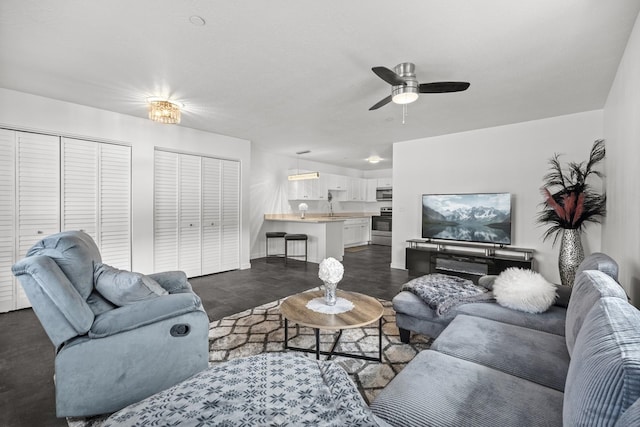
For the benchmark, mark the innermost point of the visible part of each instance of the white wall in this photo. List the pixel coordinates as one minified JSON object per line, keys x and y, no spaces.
{"x":28,"y":112}
{"x":269,"y":191}
{"x":511,"y":158}
{"x":621,"y":230}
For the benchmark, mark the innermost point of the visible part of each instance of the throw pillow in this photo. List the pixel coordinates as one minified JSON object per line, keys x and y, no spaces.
{"x":524,"y":290}
{"x":123,"y":287}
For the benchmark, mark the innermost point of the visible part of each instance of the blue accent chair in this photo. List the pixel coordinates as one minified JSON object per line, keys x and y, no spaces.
{"x":109,"y":356}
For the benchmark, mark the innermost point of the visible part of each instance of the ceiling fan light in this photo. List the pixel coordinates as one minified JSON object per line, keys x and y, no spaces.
{"x":404,"y":97}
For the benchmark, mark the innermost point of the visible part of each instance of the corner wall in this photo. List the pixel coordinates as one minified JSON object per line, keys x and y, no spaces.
{"x":38,"y":114}
{"x":511,"y":158}
{"x":621,"y":229}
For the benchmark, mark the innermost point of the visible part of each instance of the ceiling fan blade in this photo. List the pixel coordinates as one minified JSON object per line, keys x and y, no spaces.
{"x":442,"y":87}
{"x":389,"y":76}
{"x":380,"y":103}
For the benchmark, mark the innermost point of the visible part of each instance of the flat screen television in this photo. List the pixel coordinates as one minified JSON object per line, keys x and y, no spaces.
{"x":477,"y":217}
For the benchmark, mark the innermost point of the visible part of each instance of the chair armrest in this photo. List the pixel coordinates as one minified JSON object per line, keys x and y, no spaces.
{"x":172,"y":281}
{"x":143,"y":313}
{"x":564,"y":294}
{"x":53,"y":283}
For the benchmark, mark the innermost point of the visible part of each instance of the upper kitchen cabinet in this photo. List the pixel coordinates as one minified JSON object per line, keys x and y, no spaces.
{"x":308,"y":189}
{"x":385,"y":182}
{"x":336,"y":182}
{"x":371,"y":187}
{"x":356,"y":191}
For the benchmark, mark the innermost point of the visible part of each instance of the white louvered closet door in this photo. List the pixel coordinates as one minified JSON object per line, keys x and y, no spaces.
{"x":7,"y":219}
{"x":80,"y":186}
{"x":189,"y":213}
{"x":165,"y":216}
{"x":211,"y":215}
{"x":38,"y":193}
{"x":115,"y":205}
{"x":230,"y":215}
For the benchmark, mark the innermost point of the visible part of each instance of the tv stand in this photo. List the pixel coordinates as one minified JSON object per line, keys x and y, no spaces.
{"x":467,"y":260}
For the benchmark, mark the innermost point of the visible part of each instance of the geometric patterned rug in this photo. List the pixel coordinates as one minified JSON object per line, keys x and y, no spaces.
{"x":261,"y":329}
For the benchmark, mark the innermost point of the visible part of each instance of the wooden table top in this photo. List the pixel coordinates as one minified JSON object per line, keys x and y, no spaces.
{"x":366,"y":310}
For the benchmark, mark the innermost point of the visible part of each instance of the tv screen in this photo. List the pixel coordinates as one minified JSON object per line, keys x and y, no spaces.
{"x":478,"y":217}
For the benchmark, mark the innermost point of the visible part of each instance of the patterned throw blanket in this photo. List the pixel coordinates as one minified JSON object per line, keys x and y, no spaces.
{"x":442,"y":292}
{"x":270,"y":389}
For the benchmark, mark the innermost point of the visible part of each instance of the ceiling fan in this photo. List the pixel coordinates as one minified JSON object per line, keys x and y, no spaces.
{"x":405,"y":86}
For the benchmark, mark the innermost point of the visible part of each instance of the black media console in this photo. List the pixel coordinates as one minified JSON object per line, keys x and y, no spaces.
{"x":468,"y":260}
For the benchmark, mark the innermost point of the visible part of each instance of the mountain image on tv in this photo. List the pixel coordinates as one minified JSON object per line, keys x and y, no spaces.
{"x":484,"y":218}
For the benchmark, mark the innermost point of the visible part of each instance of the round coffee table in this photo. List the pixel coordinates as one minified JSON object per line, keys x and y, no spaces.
{"x":366,"y":310}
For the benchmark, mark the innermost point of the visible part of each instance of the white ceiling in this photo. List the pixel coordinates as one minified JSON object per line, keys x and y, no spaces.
{"x":293,"y":75}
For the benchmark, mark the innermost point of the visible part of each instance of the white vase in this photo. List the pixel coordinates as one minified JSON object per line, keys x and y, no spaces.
{"x":330,"y":293}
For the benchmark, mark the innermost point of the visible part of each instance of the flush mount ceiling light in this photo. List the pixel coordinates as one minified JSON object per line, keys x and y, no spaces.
{"x":373,"y":159}
{"x":305,"y":175}
{"x":164,"y":111}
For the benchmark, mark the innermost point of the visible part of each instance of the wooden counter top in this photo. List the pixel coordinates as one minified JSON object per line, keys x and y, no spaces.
{"x":317,"y":218}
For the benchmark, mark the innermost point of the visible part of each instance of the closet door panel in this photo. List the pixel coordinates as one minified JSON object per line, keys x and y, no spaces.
{"x":80,"y":186}
{"x":189,"y":208}
{"x":38,"y":193}
{"x":211,"y":215}
{"x":115,"y":205}
{"x":230,"y":215}
{"x":7,"y":219}
{"x":165,"y":216}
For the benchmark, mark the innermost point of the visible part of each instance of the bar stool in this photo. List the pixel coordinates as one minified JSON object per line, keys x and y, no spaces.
{"x":274,"y":235}
{"x":295,"y":238}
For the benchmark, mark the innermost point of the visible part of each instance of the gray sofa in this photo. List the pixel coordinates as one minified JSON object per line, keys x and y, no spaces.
{"x":108,"y":354}
{"x":494,"y":366}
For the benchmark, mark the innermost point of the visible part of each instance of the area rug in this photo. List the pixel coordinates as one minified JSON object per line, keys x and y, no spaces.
{"x":261,"y":329}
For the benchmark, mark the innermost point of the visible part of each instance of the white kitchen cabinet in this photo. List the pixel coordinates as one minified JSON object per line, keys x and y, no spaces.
{"x":385,"y":182}
{"x":308,"y":189}
{"x":356,"y":191}
{"x":356,"y":232}
{"x":197,"y":213}
{"x":371,"y":186}
{"x":337,"y":182}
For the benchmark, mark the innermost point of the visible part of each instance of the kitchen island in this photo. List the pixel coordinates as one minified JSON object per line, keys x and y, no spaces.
{"x":325,"y":233}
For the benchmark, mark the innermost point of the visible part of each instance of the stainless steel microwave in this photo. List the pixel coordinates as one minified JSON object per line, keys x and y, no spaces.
{"x":383,"y":194}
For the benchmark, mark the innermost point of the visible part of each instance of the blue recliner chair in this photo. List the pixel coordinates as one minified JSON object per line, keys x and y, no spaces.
{"x":111,"y":354}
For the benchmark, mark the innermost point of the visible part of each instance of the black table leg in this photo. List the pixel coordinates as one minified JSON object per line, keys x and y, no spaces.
{"x":317,"y":343}
{"x":380,"y":340}
{"x":286,"y":333}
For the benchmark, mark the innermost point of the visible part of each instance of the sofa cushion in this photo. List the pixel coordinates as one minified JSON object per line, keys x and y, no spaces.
{"x":75,"y":253}
{"x":604,"y":374}
{"x":551,"y":321}
{"x":589,"y":287}
{"x":601,"y":262}
{"x":125,"y":287}
{"x":524,"y":290}
{"x":441,"y":390}
{"x":408,"y":303}
{"x":533,"y":355}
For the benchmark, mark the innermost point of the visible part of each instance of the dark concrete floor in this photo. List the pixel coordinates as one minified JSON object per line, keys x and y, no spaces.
{"x":27,"y":395}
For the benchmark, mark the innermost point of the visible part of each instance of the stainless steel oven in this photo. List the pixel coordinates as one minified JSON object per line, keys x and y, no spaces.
{"x":381,"y":227}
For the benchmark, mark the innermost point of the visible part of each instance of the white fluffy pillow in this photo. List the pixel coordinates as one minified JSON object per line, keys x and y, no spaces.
{"x":524,"y":290}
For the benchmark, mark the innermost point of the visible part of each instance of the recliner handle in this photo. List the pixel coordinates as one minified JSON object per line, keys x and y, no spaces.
{"x":180,"y":330}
